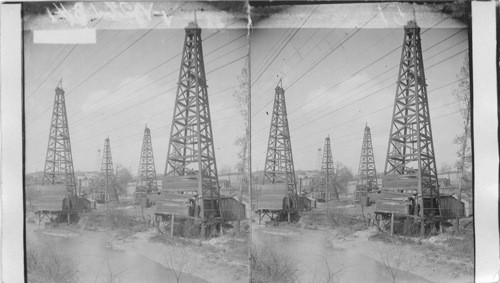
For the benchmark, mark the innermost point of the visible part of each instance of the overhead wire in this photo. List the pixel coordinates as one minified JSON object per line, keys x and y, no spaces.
{"x":345,"y":93}
{"x":140,"y":89}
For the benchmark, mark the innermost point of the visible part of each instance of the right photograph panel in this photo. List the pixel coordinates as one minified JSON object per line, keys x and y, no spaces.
{"x":361,"y":143}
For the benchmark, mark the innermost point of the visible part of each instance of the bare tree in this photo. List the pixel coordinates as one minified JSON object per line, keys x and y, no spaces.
{"x":178,"y":262}
{"x":462,"y":94}
{"x":242,"y":96}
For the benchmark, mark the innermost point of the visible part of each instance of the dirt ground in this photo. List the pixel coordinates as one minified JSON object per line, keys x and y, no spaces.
{"x":220,"y":259}
{"x":446,"y":257}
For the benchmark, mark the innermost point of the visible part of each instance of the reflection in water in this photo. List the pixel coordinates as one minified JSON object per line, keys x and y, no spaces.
{"x":311,"y":251}
{"x":98,"y":263}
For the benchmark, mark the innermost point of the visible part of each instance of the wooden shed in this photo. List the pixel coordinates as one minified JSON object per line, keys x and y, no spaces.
{"x":54,"y":205}
{"x":306,"y":203}
{"x":231,"y":209}
{"x":392,"y":202}
{"x":85,"y":204}
{"x":51,"y":197}
{"x":451,"y":208}
{"x":272,"y":196}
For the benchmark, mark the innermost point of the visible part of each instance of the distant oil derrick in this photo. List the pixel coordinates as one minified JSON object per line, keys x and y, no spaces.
{"x":146,"y":177}
{"x":191,"y":170}
{"x":59,"y":160}
{"x":279,"y":188}
{"x":107,"y":185}
{"x":367,"y":173}
{"x":328,"y":186}
{"x":58,"y":198}
{"x":279,"y":160}
{"x":410,"y":164}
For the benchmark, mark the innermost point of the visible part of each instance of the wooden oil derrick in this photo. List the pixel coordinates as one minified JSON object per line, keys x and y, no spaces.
{"x":59,"y":194}
{"x":191,"y":170}
{"x":410,"y":164}
{"x":279,"y":171}
{"x":146,"y":177}
{"x":367,"y":173}
{"x":59,"y":160}
{"x":328,"y":183}
{"x":107,"y":185}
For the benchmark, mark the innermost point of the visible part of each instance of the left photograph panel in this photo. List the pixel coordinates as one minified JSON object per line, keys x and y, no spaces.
{"x":136,"y":141}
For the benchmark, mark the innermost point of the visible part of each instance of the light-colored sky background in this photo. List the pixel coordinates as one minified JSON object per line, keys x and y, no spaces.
{"x":114,"y":93}
{"x":353,"y":85}
{"x":117,"y":96}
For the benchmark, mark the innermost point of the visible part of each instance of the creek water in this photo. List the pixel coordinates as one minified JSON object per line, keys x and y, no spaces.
{"x":317,"y":259}
{"x":97,"y":262}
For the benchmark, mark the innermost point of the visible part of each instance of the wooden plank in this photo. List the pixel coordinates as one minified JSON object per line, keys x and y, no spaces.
{"x":400,"y":181}
{"x":187,"y":183}
{"x":51,"y":205}
{"x":232,"y":209}
{"x":172,"y":209}
{"x":392,"y":206}
{"x":184,"y":186}
{"x":270,"y":204}
{"x":168,"y":196}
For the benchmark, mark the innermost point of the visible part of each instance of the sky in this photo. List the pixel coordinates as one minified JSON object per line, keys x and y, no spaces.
{"x":128,"y":79}
{"x":341,"y":74}
{"x":338,"y":63}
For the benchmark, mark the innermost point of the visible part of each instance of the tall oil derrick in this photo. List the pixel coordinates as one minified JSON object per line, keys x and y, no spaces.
{"x":279,"y":160}
{"x":410,"y":165}
{"x":59,"y":160}
{"x":367,"y":173}
{"x":107,"y":178}
{"x":146,"y":177}
{"x":191,"y":154}
{"x":328,"y":174}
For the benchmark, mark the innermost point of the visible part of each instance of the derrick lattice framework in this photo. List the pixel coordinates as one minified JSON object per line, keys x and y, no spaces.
{"x":147,"y":172}
{"x":59,"y":161}
{"x":367,"y":173}
{"x":411,"y":148}
{"x":107,"y":173}
{"x":191,"y":147}
{"x":328,"y":173}
{"x":279,"y":160}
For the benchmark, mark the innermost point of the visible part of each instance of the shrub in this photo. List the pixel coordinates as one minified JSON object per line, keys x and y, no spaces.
{"x":338,"y":217}
{"x":45,"y":265}
{"x":268,"y":265}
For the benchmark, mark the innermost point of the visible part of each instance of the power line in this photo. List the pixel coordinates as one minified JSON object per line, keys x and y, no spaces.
{"x":176,"y":56}
{"x":276,"y":56}
{"x":348,"y":62}
{"x":390,"y":77}
{"x":373,"y":112}
{"x":328,"y":54}
{"x":175,"y":71}
{"x":352,"y":75}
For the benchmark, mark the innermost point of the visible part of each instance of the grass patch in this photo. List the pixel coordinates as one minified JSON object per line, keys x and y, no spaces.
{"x":338,"y":217}
{"x":114,"y":219}
{"x":461,"y":247}
{"x":269,"y":265}
{"x":45,"y":265}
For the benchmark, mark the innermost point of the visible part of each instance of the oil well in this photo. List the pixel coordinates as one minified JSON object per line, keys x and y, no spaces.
{"x":327,"y":187}
{"x":410,"y":184}
{"x":58,"y":199}
{"x":106,"y":184}
{"x":190,"y":190}
{"x":146,"y":176}
{"x":366,"y":182}
{"x":278,"y":197}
